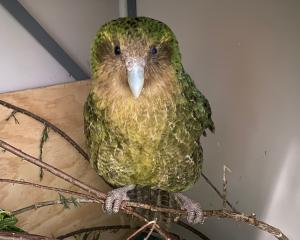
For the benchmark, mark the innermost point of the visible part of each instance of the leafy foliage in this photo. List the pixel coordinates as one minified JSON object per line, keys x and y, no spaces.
{"x":8,"y":222}
{"x":66,"y":201}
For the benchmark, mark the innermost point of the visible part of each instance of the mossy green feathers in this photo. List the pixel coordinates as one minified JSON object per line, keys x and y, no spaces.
{"x":152,"y":140}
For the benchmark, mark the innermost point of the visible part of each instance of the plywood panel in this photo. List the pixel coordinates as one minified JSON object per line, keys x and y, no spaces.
{"x":62,"y":105}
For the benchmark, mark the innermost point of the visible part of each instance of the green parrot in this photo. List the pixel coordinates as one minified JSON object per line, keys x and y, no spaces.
{"x":144,"y":115}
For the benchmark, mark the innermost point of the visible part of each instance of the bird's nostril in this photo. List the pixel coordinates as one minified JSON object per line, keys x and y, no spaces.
{"x":130,"y":62}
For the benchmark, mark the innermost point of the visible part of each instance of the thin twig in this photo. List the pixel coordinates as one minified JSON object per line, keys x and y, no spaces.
{"x":251,"y":220}
{"x":217,"y":191}
{"x":146,"y":225}
{"x":151,"y":230}
{"x":59,"y":190}
{"x":239,"y":217}
{"x":49,"y":203}
{"x":48,"y":124}
{"x":12,"y":115}
{"x":225,"y":168}
{"x":163,"y":233}
{"x":21,"y":236}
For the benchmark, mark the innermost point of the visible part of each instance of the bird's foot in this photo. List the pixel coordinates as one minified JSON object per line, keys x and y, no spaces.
{"x":194,"y":210}
{"x":115,"y":198}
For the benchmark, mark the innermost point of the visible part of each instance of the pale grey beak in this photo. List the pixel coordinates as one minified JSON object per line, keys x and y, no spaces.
{"x":135,"y":74}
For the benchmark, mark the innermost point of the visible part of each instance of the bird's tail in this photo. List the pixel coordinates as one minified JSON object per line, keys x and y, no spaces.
{"x":157,"y":198}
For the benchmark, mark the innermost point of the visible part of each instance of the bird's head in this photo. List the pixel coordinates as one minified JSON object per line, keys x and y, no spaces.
{"x":134,"y":56}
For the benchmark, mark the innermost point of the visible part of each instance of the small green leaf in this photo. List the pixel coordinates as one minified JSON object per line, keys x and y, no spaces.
{"x":74,"y":201}
{"x":43,"y":140}
{"x":64,"y":201}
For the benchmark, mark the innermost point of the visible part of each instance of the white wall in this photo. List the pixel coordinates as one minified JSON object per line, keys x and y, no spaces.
{"x":72,"y":23}
{"x":245,"y":57}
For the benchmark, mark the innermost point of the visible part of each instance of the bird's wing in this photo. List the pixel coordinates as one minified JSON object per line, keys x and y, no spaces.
{"x":102,"y":140}
{"x":89,"y":119}
{"x":197,"y":105}
{"x":179,"y":145}
{"x":95,"y":128}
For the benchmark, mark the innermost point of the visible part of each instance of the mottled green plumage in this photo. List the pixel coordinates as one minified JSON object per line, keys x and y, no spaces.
{"x":152,"y":140}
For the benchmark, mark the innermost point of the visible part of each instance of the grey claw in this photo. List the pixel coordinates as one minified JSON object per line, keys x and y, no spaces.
{"x":108,"y":205}
{"x":117,"y":205}
{"x":194,"y":210}
{"x":115,"y":198}
{"x":195,"y":213}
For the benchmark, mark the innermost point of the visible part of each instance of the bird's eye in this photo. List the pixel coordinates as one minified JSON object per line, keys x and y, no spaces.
{"x":153,"y":51}
{"x":117,"y":50}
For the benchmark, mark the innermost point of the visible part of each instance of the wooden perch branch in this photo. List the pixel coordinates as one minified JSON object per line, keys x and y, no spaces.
{"x":59,"y":190}
{"x":238,"y":217}
{"x":251,"y":220}
{"x":51,"y":203}
{"x":223,"y":213}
